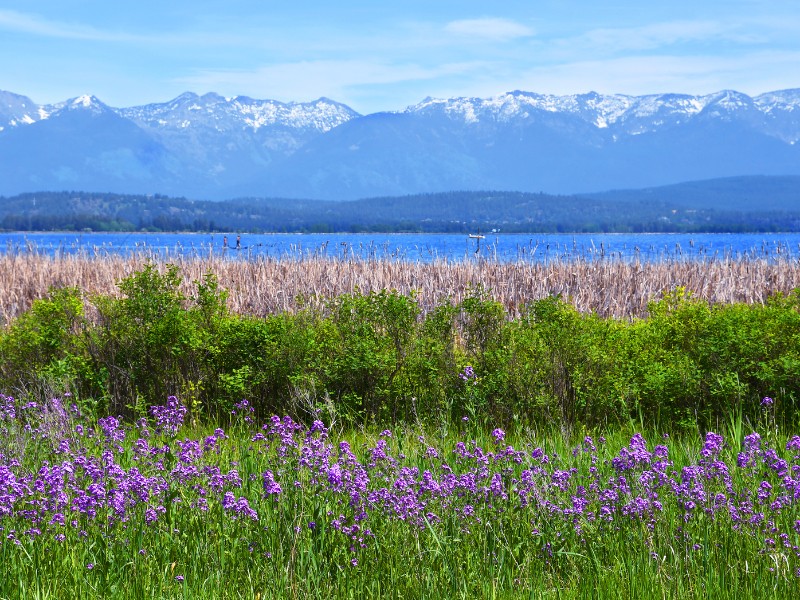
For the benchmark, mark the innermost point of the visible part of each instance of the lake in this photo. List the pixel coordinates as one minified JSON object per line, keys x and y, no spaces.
{"x":652,"y":247}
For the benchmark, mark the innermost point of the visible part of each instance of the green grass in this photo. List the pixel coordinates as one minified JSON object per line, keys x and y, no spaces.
{"x":504,"y":550}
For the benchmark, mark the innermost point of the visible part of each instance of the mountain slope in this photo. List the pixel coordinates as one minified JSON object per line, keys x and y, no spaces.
{"x":213,"y":147}
{"x":83,"y":144}
{"x":530,"y":142}
{"x":17,"y":110}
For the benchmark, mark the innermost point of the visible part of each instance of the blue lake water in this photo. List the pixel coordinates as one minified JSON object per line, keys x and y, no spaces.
{"x":415,"y":247}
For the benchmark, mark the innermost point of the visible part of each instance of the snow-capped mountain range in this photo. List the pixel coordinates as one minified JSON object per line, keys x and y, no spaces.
{"x":188,"y":109}
{"x":214,"y":147}
{"x":777,"y":112}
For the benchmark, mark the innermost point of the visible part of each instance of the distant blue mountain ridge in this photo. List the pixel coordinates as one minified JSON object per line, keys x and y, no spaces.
{"x":211,"y":147}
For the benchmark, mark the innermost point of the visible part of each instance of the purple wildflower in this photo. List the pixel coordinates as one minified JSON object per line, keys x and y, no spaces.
{"x":112,"y":430}
{"x":244,"y":410}
{"x":170,"y":416}
{"x":271,"y":487}
{"x":7,"y":408}
{"x":712,"y":446}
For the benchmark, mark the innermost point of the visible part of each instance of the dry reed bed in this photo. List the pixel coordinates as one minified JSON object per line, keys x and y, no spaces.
{"x":263,"y":286}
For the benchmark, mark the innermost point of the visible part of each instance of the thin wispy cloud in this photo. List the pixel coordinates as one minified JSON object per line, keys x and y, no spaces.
{"x":384,"y":60}
{"x":495,"y":29}
{"x":640,"y":75}
{"x":662,"y":35}
{"x":36,"y":25}
{"x":33,"y":24}
{"x":308,"y":80}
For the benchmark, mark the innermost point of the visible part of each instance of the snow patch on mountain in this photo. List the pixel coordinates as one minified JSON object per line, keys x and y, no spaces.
{"x":625,"y":114}
{"x":214,"y":146}
{"x":189,"y":110}
{"x":16,"y":110}
{"x":784,"y":100}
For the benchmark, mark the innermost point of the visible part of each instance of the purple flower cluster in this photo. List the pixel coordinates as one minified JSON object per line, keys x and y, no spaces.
{"x":244,"y":411}
{"x":89,"y":482}
{"x":104,"y":476}
{"x":169,"y":417}
{"x":8,"y":409}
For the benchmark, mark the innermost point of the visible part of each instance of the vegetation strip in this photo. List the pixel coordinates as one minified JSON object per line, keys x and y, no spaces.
{"x":378,"y":357}
{"x":264,"y":287}
{"x":736,"y":204}
{"x":455,"y":448}
{"x":160,"y":508}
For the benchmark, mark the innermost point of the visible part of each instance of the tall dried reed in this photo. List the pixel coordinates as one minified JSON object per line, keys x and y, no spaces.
{"x":268,"y":285}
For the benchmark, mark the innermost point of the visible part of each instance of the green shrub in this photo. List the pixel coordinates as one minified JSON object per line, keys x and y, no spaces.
{"x":40,"y":351}
{"x":376,"y":358}
{"x":363,"y":349}
{"x":153,"y":342}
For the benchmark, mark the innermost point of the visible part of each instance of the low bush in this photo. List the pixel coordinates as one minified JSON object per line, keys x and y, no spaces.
{"x":376,"y":357}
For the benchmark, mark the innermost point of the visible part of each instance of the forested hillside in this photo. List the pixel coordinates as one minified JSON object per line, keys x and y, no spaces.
{"x":722,"y":205}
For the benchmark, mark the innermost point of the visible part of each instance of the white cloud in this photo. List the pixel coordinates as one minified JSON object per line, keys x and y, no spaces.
{"x":36,"y":25}
{"x":489,"y":28}
{"x":370,"y":85}
{"x":753,"y":73}
{"x":307,"y":80}
{"x":662,"y":35}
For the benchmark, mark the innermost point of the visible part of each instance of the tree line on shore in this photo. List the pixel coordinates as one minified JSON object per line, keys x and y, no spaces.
{"x":746,"y":208}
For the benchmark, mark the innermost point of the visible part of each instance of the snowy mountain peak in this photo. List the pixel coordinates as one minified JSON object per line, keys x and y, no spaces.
{"x":209,"y":145}
{"x":212,"y":110}
{"x":788,"y":100}
{"x":212,"y":146}
{"x":86,"y":102}
{"x":621,"y":113}
{"x":16,"y":110}
{"x":592,"y":107}
{"x":729,"y":100}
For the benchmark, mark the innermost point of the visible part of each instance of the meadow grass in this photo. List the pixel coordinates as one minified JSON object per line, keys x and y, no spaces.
{"x":167,"y":507}
{"x":265,"y":286}
{"x":163,"y":508}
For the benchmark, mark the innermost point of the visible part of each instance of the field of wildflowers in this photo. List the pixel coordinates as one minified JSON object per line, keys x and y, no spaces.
{"x":526,"y":453}
{"x":164,"y":507}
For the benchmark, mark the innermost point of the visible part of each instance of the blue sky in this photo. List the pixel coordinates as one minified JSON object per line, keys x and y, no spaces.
{"x":386,"y":55}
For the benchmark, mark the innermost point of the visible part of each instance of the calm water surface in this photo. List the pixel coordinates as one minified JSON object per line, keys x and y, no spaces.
{"x":415,"y":247}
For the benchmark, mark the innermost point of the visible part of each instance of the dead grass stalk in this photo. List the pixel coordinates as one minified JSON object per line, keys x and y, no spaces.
{"x":264,"y":286}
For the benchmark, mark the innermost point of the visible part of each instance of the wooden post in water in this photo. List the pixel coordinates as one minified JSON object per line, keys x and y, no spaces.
{"x":479,"y":237}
